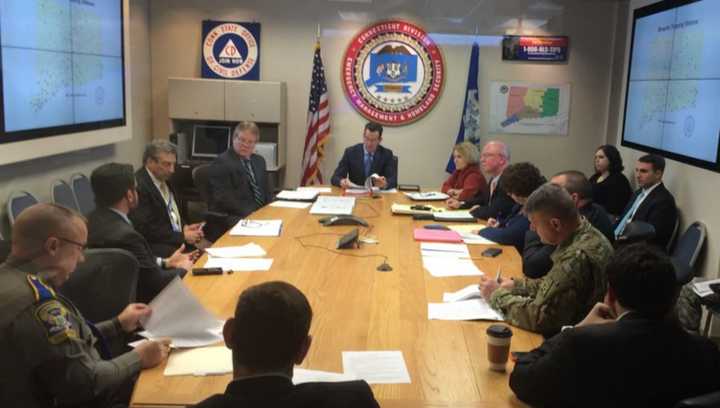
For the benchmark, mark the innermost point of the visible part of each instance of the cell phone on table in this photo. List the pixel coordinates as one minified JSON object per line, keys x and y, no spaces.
{"x":491,"y":252}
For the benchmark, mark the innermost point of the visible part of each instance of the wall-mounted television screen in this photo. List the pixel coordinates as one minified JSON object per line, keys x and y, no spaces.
{"x":62,"y":67}
{"x":210,"y":141}
{"x":672,"y":103}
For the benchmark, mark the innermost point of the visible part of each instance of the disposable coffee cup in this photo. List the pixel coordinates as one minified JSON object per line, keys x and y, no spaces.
{"x":498,"y":346}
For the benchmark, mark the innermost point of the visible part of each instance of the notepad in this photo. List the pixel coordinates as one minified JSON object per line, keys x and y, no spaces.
{"x":422,"y":234}
{"x":298,"y":195}
{"x":376,"y":367}
{"x":200,"y":361}
{"x":257,"y":228}
{"x":473,"y":309}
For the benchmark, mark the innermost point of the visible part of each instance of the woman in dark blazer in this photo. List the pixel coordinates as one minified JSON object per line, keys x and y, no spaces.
{"x":611,"y":189}
{"x":466,"y":181}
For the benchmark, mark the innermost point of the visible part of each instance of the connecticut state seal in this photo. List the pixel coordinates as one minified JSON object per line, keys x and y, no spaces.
{"x":393,"y":72}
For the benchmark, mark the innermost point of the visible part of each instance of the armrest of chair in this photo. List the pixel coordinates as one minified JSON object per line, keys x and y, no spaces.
{"x":711,"y":400}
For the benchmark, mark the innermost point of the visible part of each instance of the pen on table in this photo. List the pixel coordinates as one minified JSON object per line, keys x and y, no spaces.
{"x":498,"y":276}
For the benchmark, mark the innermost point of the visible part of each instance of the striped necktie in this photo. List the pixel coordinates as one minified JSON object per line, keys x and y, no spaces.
{"x":628,"y":215}
{"x":257,"y":194}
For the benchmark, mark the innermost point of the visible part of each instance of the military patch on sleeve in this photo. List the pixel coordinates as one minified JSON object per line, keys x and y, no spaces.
{"x":54,"y":318}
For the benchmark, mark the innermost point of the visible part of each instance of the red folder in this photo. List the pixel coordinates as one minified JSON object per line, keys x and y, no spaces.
{"x":429,"y":235}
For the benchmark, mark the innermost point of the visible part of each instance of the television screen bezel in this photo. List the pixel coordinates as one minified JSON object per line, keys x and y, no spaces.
{"x":36,"y":133}
{"x":194,"y":138}
{"x":639,"y":13}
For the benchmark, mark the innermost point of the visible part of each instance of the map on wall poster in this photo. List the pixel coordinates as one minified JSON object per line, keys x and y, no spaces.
{"x":529,"y":108}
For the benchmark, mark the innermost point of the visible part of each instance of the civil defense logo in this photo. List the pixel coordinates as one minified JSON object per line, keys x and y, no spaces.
{"x":393,"y":72}
{"x":230,"y":50}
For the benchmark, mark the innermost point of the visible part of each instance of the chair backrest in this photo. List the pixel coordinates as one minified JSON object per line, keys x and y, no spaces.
{"x":63,"y":195}
{"x":103,"y":285}
{"x":674,"y":235}
{"x":687,"y":251}
{"x":395,"y":167}
{"x":18,"y":201}
{"x":84,"y":195}
{"x":200,"y":175}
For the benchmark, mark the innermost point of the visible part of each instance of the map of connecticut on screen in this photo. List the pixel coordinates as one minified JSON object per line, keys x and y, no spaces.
{"x":674,"y":81}
{"x":62,"y":62}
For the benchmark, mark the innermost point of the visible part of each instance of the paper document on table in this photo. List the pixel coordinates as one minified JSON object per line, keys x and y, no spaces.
{"x":468,"y":292}
{"x":457,"y":216}
{"x":248,"y":250}
{"x":428,"y":196}
{"x":313,"y":188}
{"x":240,"y":264}
{"x":333,"y":205}
{"x":390,"y":190}
{"x":473,"y":309}
{"x":257,"y":228}
{"x":301,"y":376}
{"x":297,"y":195}
{"x":177,"y":314}
{"x":474,"y":239}
{"x":200,"y":361}
{"x":360,"y":191}
{"x":411,"y":209}
{"x":290,"y":204}
{"x":441,"y":267}
{"x":702,"y":288}
{"x":434,"y":249}
{"x":466,"y":228}
{"x":376,"y":367}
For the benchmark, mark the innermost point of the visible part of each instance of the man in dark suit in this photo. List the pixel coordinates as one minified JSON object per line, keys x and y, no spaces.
{"x":110,"y":227}
{"x":268,"y":336}
{"x":157,"y":216}
{"x":365,"y":159}
{"x":238,"y":182}
{"x":628,"y":352}
{"x":494,"y":158}
{"x":652,"y":202}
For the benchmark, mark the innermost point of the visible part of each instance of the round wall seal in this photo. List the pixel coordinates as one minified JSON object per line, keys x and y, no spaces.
{"x":393,"y":72}
{"x":230,"y":50}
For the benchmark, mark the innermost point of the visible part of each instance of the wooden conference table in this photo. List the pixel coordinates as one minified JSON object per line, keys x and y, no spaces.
{"x":358,"y":308}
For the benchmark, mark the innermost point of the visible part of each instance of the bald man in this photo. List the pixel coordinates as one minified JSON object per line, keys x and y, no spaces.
{"x":49,"y":351}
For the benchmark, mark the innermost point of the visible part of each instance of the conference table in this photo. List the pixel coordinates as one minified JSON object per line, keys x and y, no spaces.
{"x":358,"y":308}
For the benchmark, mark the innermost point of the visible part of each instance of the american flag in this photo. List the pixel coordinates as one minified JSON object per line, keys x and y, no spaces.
{"x":318,"y":123}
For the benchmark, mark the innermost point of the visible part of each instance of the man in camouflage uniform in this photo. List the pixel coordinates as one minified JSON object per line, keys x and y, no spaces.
{"x":48,"y":350}
{"x":575,"y":282}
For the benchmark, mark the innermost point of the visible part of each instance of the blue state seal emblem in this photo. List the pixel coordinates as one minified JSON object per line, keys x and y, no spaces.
{"x":231,"y":50}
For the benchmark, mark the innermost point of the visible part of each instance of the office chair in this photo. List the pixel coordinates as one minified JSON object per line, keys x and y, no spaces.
{"x":636,"y":231}
{"x":103,"y":285}
{"x":84,"y":195}
{"x":18,"y":201}
{"x":395,"y":167}
{"x":687,"y":251}
{"x":674,"y":235}
{"x":62,"y":194}
{"x":200,"y":175}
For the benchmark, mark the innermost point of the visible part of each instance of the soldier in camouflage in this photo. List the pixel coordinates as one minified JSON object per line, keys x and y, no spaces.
{"x":575,"y":282}
{"x":51,"y":356}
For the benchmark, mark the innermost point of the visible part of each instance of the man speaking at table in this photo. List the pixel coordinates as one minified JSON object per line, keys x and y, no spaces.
{"x":365,"y":159}
{"x":268,"y":336}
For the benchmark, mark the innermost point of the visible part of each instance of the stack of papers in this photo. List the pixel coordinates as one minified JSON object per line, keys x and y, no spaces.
{"x":428,"y":196}
{"x":257,"y":228}
{"x":465,"y":304}
{"x":298,"y":195}
{"x":249,"y":250}
{"x":443,"y":260}
{"x":200,"y":361}
{"x":177,"y":314}
{"x":240,"y":264}
{"x":333,"y":205}
{"x":314,"y":188}
{"x":456,"y":216}
{"x":407,"y":209}
{"x":290,"y":204}
{"x":376,"y":367}
{"x":702,"y":289}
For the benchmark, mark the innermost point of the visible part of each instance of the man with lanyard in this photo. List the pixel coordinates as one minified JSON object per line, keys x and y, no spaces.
{"x":51,"y":355}
{"x":157,"y":216}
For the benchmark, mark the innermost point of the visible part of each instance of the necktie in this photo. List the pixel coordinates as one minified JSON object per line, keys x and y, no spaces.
{"x":368,"y":164}
{"x":493,"y":185}
{"x":631,"y":212}
{"x":257,"y":194}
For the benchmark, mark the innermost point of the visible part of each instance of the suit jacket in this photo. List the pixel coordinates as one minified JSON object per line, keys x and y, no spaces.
{"x":470,"y":180}
{"x":496,"y":205}
{"x":276,"y":391}
{"x":510,"y":230}
{"x":229,"y":184}
{"x":107,"y":229}
{"x":352,"y":166}
{"x":151,"y":218}
{"x":657,"y":209}
{"x":634,"y":362}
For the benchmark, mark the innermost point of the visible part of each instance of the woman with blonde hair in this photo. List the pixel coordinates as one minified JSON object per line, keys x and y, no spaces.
{"x":467,"y":180}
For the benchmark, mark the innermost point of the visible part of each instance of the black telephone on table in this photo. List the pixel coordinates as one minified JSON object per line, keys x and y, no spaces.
{"x":343,"y":220}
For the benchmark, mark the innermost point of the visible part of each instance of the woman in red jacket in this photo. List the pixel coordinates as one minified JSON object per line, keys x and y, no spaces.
{"x":467,"y":181}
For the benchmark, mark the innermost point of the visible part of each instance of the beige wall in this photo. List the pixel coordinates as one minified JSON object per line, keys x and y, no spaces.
{"x":691,"y":185}
{"x":287,"y":40}
{"x":36,"y":176}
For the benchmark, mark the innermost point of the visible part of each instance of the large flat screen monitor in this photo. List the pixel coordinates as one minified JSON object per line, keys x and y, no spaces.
{"x":210,"y":141}
{"x":62,"y":67}
{"x":672,"y":103}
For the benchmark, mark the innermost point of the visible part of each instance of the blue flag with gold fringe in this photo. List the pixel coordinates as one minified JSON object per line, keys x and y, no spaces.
{"x":470,"y":121}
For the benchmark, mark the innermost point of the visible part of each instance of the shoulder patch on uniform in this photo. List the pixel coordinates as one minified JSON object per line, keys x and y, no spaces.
{"x":41,"y":291}
{"x":54,"y":318}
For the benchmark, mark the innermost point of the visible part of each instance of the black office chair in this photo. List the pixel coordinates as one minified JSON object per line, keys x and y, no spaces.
{"x":18,"y":201}
{"x":63,"y":195}
{"x":711,"y":400}
{"x":201,"y":175}
{"x":103,"y":285}
{"x":395,"y":167}
{"x":84,"y":195}
{"x":687,"y":251}
{"x":673,"y":237}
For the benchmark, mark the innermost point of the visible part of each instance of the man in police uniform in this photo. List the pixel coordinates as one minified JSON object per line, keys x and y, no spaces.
{"x":575,"y":282}
{"x":50,"y":355}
